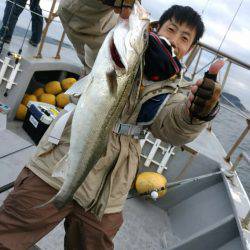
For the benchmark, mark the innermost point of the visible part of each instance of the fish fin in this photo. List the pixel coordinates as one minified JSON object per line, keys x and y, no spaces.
{"x":79,"y":87}
{"x":56,"y":201}
{"x":112,"y":81}
{"x":61,"y":168}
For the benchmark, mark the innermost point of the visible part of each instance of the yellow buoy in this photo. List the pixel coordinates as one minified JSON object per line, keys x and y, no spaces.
{"x":147,"y":182}
{"x":48,"y":98}
{"x":28,"y":98}
{"x":21,"y":112}
{"x":53,"y":87}
{"x":38,"y":92}
{"x":62,"y":100}
{"x":67,"y":83}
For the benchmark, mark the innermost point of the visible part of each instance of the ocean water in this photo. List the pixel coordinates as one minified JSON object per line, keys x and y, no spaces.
{"x":228,"y":126}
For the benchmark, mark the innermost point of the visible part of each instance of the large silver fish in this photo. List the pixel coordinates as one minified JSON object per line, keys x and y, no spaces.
{"x":104,"y":94}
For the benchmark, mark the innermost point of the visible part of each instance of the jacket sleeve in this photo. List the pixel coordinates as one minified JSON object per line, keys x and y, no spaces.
{"x":173,"y":124}
{"x":86,"y":23}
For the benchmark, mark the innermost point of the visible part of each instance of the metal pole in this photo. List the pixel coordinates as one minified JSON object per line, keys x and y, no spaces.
{"x":50,"y":18}
{"x":209,"y":126}
{"x":245,"y":222}
{"x":241,"y":156}
{"x":196,"y":65}
{"x":60,"y":46}
{"x":226,"y":74}
{"x":192,"y":55}
{"x":236,"y":144}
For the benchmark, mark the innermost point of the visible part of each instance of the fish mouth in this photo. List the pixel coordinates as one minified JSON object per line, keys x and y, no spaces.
{"x":115,"y":55}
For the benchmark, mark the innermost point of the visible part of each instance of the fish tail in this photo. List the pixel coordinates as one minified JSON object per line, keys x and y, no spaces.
{"x":50,"y":202}
{"x":57,"y":201}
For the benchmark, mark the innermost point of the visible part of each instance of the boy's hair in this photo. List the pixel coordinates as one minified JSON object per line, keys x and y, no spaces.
{"x":184,"y":14}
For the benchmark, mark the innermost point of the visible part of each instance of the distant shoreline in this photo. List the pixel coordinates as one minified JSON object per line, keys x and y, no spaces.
{"x":226,"y":98}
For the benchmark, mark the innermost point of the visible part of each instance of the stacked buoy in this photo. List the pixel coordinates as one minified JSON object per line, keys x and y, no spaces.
{"x":52,"y":93}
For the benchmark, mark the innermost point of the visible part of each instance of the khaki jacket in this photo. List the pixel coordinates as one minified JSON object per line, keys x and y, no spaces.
{"x":106,"y":187}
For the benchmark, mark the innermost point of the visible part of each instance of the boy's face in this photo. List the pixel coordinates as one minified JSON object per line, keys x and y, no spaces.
{"x":181,"y":36}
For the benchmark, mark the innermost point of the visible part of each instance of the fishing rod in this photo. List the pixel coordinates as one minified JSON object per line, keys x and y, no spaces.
{"x":6,"y":187}
{"x":11,"y":184}
{"x":154,"y":193}
{"x":17,"y":57}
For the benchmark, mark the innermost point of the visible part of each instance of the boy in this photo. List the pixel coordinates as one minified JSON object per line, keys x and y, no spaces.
{"x":95,"y":215}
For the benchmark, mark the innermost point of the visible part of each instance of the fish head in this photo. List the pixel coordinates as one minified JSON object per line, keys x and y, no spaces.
{"x":130,"y":37}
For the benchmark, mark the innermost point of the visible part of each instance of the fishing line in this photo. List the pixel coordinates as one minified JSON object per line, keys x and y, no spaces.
{"x":218,"y":50}
{"x":205,"y":7}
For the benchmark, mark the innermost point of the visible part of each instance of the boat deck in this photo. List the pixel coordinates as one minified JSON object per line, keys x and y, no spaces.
{"x":199,"y":215}
{"x":185,"y":218}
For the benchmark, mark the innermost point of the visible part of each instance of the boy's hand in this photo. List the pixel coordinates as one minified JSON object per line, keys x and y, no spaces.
{"x":205,"y":94}
{"x":122,"y":7}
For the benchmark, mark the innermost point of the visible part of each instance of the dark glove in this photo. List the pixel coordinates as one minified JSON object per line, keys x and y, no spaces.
{"x":205,"y":105}
{"x":120,"y":3}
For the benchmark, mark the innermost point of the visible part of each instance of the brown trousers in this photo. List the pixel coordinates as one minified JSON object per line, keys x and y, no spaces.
{"x":21,"y":225}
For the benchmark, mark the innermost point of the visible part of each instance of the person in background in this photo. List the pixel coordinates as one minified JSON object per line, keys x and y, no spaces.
{"x":12,"y":11}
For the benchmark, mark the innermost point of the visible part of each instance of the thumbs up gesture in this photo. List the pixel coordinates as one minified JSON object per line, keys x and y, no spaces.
{"x":203,"y":100}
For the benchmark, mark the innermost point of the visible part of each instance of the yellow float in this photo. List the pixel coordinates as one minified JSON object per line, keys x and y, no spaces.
{"x":38,"y":92}
{"x":146,"y":182}
{"x":62,"y":100}
{"x":53,"y":87}
{"x":67,"y":83}
{"x":28,"y":98}
{"x":21,"y":112}
{"x":48,"y":98}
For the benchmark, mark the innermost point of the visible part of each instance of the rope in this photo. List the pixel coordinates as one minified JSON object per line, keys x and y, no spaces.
{"x":218,"y":50}
{"x":23,"y":7}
